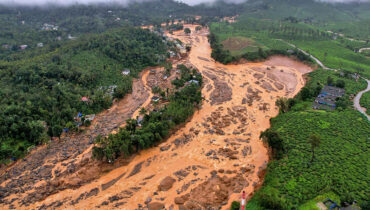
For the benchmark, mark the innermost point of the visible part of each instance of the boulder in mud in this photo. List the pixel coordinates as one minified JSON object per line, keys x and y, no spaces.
{"x":166,"y":183}
{"x":179,"y":200}
{"x":155,"y":206}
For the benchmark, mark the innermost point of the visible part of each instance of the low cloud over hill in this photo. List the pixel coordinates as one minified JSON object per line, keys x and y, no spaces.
{"x":125,"y":2}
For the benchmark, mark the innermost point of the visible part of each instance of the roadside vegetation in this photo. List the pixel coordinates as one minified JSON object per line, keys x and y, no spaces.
{"x":155,"y":125}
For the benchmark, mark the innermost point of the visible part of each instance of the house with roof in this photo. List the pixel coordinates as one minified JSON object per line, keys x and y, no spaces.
{"x":90,"y":117}
{"x":155,"y":98}
{"x":49,"y":27}
{"x":5,"y":46}
{"x":126,"y":72}
{"x":193,"y":81}
{"x":23,"y":46}
{"x":139,"y":120}
{"x":328,"y":97}
{"x":85,"y":99}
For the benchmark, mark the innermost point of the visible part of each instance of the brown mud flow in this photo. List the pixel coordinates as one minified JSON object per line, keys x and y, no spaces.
{"x":204,"y":164}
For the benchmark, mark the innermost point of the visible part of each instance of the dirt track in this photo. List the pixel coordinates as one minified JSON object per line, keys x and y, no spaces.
{"x":204,"y":164}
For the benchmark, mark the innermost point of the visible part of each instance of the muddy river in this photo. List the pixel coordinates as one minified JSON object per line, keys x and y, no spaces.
{"x":212,"y":158}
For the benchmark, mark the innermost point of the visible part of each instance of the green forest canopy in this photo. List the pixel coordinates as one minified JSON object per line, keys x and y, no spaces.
{"x":46,"y":90}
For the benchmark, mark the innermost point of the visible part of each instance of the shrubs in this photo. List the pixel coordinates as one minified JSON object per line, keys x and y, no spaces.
{"x":274,"y":141}
{"x":285,"y":104}
{"x":187,"y":30}
{"x":340,"y":83}
{"x":235,"y":205}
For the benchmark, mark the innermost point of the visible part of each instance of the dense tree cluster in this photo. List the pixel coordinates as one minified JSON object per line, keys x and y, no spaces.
{"x":25,"y":25}
{"x":155,"y":125}
{"x":41,"y":95}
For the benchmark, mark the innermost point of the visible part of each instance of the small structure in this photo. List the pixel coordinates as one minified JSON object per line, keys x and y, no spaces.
{"x":90,"y":117}
{"x":331,"y":204}
{"x":290,"y":51}
{"x":172,"y":54}
{"x":155,"y":98}
{"x":333,"y":91}
{"x":328,"y":97}
{"x":152,"y":71}
{"x":70,"y":37}
{"x":356,"y":76}
{"x":139,"y":120}
{"x":193,"y":81}
{"x":49,"y":27}
{"x":5,"y":46}
{"x":126,"y":72}
{"x":23,"y":46}
{"x":85,"y":99}
{"x":78,"y":117}
{"x":40,"y":44}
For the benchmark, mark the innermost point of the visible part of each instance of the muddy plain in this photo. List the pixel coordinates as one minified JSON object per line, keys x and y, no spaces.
{"x":204,"y":164}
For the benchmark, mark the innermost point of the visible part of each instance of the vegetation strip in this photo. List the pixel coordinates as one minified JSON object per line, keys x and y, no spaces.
{"x":156,"y":125}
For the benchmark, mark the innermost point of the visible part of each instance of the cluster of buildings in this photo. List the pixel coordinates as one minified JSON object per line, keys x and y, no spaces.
{"x":80,"y":119}
{"x":328,"y":97}
{"x":49,"y":27}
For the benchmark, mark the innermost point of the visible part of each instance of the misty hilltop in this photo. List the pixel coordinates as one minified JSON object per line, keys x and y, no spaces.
{"x":127,"y":2}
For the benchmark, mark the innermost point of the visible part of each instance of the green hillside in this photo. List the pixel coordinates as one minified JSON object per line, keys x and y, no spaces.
{"x":46,"y":90}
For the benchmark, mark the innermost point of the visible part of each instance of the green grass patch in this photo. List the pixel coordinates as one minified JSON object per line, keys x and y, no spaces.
{"x":239,"y":45}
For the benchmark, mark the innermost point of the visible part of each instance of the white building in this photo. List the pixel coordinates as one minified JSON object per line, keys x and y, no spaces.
{"x":23,"y":46}
{"x":126,"y":72}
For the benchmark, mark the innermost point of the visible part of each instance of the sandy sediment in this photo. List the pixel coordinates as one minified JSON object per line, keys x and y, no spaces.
{"x":213,"y":157}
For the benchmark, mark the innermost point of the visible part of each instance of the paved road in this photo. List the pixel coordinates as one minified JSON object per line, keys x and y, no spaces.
{"x":363,"y":49}
{"x":358,"y":98}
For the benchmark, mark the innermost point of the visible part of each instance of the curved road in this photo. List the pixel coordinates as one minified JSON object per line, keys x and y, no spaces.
{"x":359,"y":94}
{"x":358,"y":97}
{"x":363,"y":49}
